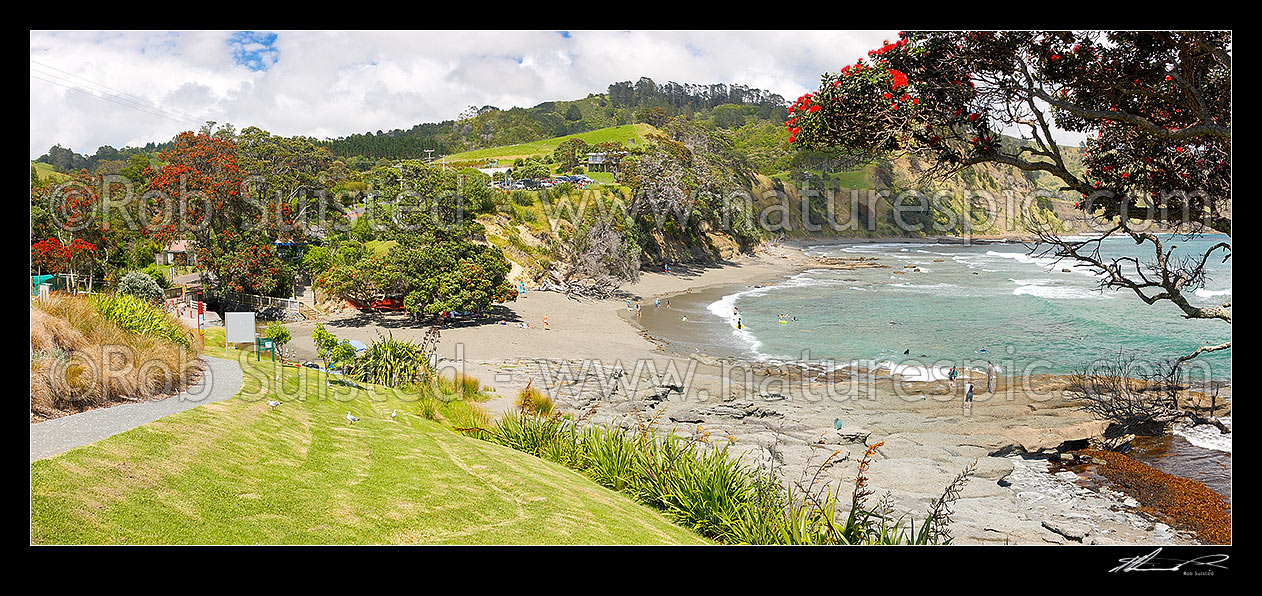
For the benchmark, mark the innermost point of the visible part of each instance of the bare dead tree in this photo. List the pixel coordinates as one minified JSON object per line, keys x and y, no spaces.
{"x":600,"y":259}
{"x":1120,"y":392}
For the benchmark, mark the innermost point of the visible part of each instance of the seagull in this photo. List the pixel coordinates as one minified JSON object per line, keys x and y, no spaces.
{"x":273,"y":403}
{"x":351,"y":418}
{"x":394,"y":414}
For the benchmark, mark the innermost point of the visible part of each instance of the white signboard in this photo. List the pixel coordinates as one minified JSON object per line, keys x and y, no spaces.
{"x":239,"y":327}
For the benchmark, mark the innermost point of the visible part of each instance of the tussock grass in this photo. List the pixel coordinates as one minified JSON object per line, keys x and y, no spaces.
{"x":82,"y":359}
{"x":534,"y":402}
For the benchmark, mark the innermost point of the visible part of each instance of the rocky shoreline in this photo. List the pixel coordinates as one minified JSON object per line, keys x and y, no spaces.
{"x":784,"y":416}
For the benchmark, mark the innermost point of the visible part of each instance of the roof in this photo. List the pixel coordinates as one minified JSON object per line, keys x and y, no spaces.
{"x":178,"y":246}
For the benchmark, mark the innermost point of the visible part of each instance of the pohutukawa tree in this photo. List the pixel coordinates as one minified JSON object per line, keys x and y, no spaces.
{"x":1156,"y":107}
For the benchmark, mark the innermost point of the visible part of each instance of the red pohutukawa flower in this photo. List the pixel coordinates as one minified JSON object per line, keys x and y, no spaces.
{"x":899,"y":79}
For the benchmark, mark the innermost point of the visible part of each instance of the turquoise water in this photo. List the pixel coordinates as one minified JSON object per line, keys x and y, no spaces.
{"x":970,"y":304}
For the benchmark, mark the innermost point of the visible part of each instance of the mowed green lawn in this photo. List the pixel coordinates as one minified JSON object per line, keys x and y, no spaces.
{"x":620,"y":134}
{"x":242,"y":472}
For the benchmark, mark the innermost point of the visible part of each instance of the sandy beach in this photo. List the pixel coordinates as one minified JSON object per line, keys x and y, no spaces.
{"x":595,"y":359}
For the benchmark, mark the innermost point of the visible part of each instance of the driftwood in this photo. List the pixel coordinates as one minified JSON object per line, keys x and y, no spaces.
{"x":591,"y":289}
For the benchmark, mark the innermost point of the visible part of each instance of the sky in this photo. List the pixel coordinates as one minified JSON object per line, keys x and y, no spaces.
{"x":127,"y":88}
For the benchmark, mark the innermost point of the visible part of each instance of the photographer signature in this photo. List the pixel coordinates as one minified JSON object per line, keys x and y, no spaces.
{"x":1150,"y":562}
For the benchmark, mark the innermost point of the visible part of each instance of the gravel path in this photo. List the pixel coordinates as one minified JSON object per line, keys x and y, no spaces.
{"x":221,"y":381}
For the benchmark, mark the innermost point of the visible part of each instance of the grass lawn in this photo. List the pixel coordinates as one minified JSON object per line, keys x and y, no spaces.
{"x":242,"y":472}
{"x":47,"y":172}
{"x":622,"y":134}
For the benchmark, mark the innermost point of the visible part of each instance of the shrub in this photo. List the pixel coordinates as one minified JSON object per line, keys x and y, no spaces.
{"x":468,"y":386}
{"x":158,"y":275}
{"x":428,"y":407}
{"x":522,"y":198}
{"x":81,"y":360}
{"x":392,"y":362}
{"x":139,"y":316}
{"x":277,"y":332}
{"x":140,"y":285}
{"x":534,"y":402}
{"x":523,"y":215}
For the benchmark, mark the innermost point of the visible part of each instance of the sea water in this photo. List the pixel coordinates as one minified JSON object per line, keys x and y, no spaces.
{"x":969,"y":305}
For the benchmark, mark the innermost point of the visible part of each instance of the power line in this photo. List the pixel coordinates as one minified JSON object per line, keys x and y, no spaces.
{"x":118,"y":91}
{"x":144,"y":107}
{"x":126,"y":105}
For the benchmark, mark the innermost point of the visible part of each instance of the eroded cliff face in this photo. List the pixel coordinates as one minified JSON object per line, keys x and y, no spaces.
{"x":887,"y":199}
{"x":884,"y":199}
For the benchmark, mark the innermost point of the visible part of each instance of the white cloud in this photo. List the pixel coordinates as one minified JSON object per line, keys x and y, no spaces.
{"x":337,"y":83}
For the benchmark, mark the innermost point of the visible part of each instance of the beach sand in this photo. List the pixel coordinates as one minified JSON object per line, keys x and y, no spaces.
{"x":783,"y":423}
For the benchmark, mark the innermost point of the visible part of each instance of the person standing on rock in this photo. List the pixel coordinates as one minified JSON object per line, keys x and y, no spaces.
{"x":968,"y":396}
{"x":990,"y":377}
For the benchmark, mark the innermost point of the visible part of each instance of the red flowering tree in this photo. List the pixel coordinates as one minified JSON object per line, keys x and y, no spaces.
{"x":201,"y":189}
{"x":1156,"y":107}
{"x":254,"y":269}
{"x":77,"y":258}
{"x":49,"y":255}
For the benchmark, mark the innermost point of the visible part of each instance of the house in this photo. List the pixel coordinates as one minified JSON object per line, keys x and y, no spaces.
{"x":604,"y":162}
{"x":178,"y":252}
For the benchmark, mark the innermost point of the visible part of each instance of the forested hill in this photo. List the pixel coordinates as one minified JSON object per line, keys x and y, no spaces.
{"x":624,"y":103}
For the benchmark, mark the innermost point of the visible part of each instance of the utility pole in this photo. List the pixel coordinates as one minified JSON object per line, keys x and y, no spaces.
{"x":400,"y":166}
{"x":429,"y":155}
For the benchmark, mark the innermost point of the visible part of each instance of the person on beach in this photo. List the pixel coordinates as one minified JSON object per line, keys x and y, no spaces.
{"x":951,"y":376}
{"x":668,"y":304}
{"x":545,"y":322}
{"x":521,"y":289}
{"x":968,"y":396}
{"x":628,"y":304}
{"x":637,"y":310}
{"x":990,"y":377}
{"x":657,"y":302}
{"x":738,"y":322}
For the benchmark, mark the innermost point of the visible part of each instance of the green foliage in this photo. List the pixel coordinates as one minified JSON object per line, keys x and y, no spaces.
{"x":393,"y":363}
{"x":534,"y":402}
{"x":333,"y":352}
{"x":156,"y":273}
{"x":278,"y":333}
{"x":530,"y":168}
{"x":703,"y":488}
{"x":140,"y":316}
{"x":317,"y":260}
{"x":570,"y":153}
{"x":140,"y":285}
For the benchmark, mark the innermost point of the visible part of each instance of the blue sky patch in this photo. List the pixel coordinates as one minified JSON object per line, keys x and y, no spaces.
{"x":253,"y":50}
